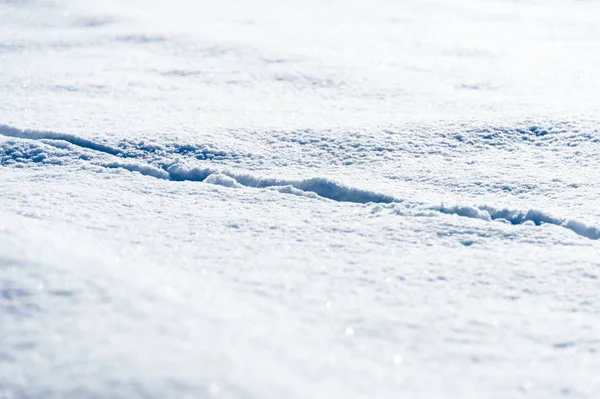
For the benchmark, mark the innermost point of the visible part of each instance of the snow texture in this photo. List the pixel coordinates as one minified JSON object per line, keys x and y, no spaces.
{"x":299,"y":199}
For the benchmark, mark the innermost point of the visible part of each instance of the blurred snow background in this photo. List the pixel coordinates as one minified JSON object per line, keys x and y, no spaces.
{"x":266,"y":199}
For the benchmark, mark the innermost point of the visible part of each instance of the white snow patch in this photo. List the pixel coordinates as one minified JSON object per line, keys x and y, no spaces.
{"x":289,"y":189}
{"x":222,"y":180}
{"x":144,"y":169}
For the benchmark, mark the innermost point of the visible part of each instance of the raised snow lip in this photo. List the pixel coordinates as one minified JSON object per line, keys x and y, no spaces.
{"x":513,"y":216}
{"x":41,"y":135}
{"x":322,"y":187}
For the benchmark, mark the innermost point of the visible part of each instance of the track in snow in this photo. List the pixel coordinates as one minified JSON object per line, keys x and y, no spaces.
{"x":318,"y":187}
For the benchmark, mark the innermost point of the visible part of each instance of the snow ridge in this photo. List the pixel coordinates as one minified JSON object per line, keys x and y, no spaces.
{"x":320,"y":186}
{"x":317,"y":187}
{"x":41,"y":135}
{"x":144,"y":169}
{"x":515,"y":217}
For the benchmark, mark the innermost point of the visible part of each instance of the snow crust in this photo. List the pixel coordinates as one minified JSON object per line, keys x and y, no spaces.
{"x":300,"y":199}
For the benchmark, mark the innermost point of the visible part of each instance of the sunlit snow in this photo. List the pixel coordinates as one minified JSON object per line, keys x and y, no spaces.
{"x":299,"y":199}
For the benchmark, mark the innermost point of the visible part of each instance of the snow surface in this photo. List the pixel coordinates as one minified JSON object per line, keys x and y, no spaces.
{"x":299,"y":199}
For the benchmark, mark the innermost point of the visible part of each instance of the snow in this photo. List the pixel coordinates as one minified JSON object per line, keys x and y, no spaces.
{"x":299,"y":199}
{"x":532,"y":217}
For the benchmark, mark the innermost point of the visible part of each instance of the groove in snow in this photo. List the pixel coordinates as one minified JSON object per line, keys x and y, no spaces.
{"x":313,"y":188}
